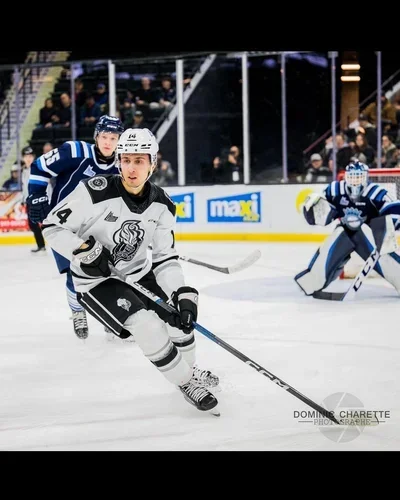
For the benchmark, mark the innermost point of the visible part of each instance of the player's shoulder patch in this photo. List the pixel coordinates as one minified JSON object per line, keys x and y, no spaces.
{"x":102,"y":187}
{"x":98,"y":183}
{"x":158,"y":194}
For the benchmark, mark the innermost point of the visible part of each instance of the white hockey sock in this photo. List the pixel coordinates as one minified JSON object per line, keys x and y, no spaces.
{"x":186,"y":344}
{"x":151,"y":335}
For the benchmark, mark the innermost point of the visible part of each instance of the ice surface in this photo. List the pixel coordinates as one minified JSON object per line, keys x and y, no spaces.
{"x":61,"y":393}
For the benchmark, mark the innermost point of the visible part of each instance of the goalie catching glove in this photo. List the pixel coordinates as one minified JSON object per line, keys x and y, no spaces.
{"x":185,"y":300}
{"x":317,"y":210}
{"x":94,"y":259}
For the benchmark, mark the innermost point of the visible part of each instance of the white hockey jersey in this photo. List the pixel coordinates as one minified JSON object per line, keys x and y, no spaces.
{"x":124,"y":223}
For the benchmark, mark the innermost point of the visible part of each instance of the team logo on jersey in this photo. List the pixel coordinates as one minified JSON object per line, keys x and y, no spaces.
{"x":98,"y":183}
{"x":89,"y":172}
{"x":124,"y":303}
{"x":344,"y":201}
{"x":184,"y":204}
{"x":128,"y":240}
{"x":239,"y":208}
{"x":111,"y":217}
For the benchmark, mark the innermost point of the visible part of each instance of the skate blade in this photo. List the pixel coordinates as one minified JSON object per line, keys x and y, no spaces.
{"x":214,"y":412}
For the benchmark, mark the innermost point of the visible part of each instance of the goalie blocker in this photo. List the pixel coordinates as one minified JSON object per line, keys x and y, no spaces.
{"x":329,"y":260}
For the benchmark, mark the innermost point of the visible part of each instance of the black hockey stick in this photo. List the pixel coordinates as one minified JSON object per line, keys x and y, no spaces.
{"x":369,"y":265}
{"x":152,"y":296}
{"x":246,"y":262}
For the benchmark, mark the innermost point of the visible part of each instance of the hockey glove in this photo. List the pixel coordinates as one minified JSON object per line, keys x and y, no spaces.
{"x":185,"y":299}
{"x":38,"y":206}
{"x":94,"y":259}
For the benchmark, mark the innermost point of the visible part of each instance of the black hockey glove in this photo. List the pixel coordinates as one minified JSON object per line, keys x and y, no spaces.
{"x":38,"y":206}
{"x":94,"y":259}
{"x":185,"y":299}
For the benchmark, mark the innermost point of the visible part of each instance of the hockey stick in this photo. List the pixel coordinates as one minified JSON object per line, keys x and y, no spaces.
{"x":369,"y":265}
{"x":247,"y":262}
{"x":158,"y":300}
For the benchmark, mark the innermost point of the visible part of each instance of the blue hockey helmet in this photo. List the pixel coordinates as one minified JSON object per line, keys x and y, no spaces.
{"x":108,"y":123}
{"x":356,"y":177}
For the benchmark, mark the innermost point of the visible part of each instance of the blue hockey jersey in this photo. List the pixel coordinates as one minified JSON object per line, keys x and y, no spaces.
{"x":64,"y":168}
{"x":375,"y":201}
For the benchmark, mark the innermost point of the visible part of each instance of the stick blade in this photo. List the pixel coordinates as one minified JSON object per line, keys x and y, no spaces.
{"x":338,"y":296}
{"x":245,"y":263}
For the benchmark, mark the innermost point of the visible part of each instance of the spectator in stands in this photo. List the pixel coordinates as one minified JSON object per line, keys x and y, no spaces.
{"x":90,"y":112}
{"x":397,"y":107}
{"x":47,"y":146}
{"x":13,"y":183}
{"x":139,"y":121}
{"x":164,"y":173}
{"x":64,"y":112}
{"x":28,"y":157}
{"x":317,"y":171}
{"x":363,"y":127}
{"x":388,"y":112}
{"x":80,"y":93}
{"x":369,"y":130}
{"x":167,"y":93}
{"x":389,"y":152}
{"x":126,"y":113}
{"x":228,"y":168}
{"x":362,"y":151}
{"x":396,"y":157}
{"x":146,"y":97}
{"x":101,"y":96}
{"x":47,"y":114}
{"x":343,"y":153}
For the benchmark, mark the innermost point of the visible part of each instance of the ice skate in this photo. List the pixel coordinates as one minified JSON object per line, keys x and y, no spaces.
{"x":200,"y":397}
{"x":39,"y":250}
{"x":204,"y":378}
{"x":80,"y":324}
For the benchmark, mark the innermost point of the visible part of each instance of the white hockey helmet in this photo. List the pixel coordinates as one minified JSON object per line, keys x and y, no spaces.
{"x":138,"y":140}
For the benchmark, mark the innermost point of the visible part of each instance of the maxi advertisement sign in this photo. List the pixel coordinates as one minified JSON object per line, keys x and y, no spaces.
{"x":184,"y":207}
{"x":238,"y":208}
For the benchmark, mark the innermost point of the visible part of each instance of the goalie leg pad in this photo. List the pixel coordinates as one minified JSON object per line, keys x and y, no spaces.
{"x":382,"y":235}
{"x":364,"y":243}
{"x":390,"y":269}
{"x":327,"y":263}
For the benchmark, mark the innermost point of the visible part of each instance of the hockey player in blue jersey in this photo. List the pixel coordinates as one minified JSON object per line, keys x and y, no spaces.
{"x":65,"y":167}
{"x":361,"y":209}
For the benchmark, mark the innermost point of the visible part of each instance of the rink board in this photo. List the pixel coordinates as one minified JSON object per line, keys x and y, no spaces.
{"x":233,"y":212}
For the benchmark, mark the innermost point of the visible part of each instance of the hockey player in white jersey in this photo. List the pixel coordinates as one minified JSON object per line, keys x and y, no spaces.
{"x":366,"y":217}
{"x":114,"y":219}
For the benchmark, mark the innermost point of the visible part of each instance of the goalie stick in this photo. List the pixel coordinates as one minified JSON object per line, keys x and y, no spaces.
{"x":246,"y":262}
{"x":158,"y":300}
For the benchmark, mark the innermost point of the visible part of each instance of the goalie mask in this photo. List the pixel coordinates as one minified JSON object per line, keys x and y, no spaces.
{"x":356,"y":177}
